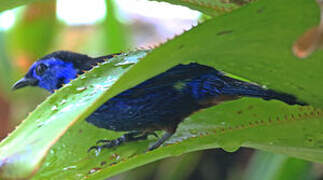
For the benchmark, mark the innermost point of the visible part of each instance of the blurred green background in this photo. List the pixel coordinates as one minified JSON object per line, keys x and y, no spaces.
{"x":99,"y":27}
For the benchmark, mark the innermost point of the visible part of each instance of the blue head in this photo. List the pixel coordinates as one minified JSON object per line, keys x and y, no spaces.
{"x":51,"y":73}
{"x":56,"y":69}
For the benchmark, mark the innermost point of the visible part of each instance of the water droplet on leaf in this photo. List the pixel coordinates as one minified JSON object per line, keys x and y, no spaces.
{"x":81,"y":88}
{"x":63,"y":101}
{"x":229,"y":145}
{"x":230,"y":148}
{"x":69,"y":167}
{"x":54,"y":108}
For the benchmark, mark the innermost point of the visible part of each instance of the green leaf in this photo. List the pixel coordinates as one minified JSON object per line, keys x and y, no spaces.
{"x":210,"y":7}
{"x":242,"y":50}
{"x":23,"y":151}
{"x":253,"y":43}
{"x":228,"y":126}
{"x":268,"y":166}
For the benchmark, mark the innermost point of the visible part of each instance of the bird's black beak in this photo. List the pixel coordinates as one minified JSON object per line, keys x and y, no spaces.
{"x":24,"y":82}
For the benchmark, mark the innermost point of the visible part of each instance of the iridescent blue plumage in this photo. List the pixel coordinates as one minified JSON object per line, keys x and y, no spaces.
{"x":159,"y":103}
{"x":58,"y":73}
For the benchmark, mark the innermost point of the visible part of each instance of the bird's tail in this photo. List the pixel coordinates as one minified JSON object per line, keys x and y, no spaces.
{"x":240,"y":88}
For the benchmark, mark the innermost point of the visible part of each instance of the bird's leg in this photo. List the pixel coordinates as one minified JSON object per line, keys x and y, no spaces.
{"x":164,"y":138}
{"x":128,"y":136}
{"x":132,"y":136}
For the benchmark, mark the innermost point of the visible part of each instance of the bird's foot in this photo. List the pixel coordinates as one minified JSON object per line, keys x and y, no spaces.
{"x":133,"y":136}
{"x":107,"y":144}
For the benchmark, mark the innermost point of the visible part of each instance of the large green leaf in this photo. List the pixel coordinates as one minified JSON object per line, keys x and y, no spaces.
{"x":240,"y":49}
{"x":253,"y":42}
{"x":228,"y":126}
{"x":23,"y":151}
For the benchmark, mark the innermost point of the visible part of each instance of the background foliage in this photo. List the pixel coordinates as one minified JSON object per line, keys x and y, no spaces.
{"x":260,"y":53}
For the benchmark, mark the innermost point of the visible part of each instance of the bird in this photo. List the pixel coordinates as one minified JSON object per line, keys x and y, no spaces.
{"x":157,"y":104}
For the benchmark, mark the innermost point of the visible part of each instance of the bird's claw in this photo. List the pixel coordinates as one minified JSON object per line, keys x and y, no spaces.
{"x":107,"y":144}
{"x":97,"y":148}
{"x":102,"y":141}
{"x":116,"y":142}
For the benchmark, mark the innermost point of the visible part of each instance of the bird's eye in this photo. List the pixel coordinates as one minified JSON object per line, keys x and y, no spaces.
{"x":40,"y":69}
